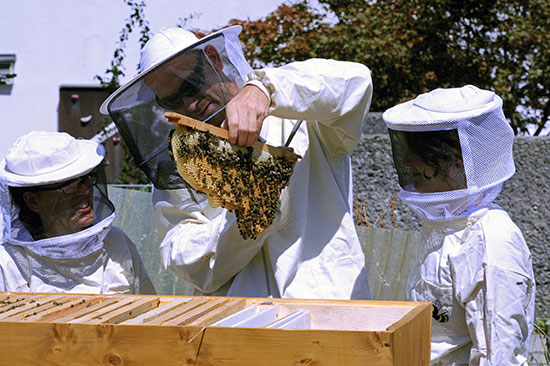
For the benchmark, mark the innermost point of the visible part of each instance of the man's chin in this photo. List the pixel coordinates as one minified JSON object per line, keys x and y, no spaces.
{"x":87,"y":222}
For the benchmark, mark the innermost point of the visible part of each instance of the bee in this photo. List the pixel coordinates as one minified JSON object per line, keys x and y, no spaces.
{"x":437,"y":314}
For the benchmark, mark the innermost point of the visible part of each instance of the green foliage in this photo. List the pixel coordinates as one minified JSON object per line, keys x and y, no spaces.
{"x":542,"y":331}
{"x":415,"y":46}
{"x":111,"y":81}
{"x":129,"y":173}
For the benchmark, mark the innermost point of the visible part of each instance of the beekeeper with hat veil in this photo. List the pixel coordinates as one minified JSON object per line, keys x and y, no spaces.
{"x":174,"y":72}
{"x":452,"y":149}
{"x":311,"y":249}
{"x":58,"y":234}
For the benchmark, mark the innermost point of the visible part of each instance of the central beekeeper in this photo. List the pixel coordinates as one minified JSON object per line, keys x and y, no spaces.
{"x":311,"y":250}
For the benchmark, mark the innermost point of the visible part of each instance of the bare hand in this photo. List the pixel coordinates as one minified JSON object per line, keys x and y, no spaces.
{"x":245,"y":114}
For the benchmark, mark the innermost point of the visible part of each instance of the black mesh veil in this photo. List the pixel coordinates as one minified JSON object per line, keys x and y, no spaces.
{"x":428,"y":160}
{"x":146,"y":131}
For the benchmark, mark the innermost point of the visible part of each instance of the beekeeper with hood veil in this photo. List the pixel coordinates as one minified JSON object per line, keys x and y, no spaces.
{"x":311,"y":249}
{"x":57,"y":223}
{"x":452,"y":149}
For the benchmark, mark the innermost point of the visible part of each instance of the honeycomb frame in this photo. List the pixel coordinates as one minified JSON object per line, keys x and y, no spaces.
{"x":247,"y":180}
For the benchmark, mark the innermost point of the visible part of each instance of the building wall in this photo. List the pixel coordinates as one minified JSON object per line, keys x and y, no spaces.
{"x":525,"y":196}
{"x":68,"y":42}
{"x":78,"y":115}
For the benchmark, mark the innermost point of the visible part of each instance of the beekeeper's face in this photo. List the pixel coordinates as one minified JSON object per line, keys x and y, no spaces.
{"x":429,"y":178}
{"x":64,"y":208}
{"x":193,"y":84}
{"x":426,"y":178}
{"x":428,"y":161}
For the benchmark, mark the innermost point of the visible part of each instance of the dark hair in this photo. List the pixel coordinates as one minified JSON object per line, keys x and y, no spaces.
{"x":439,"y":149}
{"x":31,"y":219}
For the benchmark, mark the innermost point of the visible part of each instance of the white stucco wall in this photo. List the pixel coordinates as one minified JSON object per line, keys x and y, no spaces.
{"x":68,"y":42}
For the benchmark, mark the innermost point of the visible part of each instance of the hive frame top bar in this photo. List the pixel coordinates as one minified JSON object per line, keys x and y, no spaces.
{"x":182,"y":120}
{"x":376,"y":315}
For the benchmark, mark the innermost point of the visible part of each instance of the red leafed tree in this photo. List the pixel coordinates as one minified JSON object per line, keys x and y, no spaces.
{"x":415,"y":46}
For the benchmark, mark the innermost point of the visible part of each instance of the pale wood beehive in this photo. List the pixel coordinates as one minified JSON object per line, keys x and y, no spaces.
{"x":246,"y":180}
{"x":132,"y":330}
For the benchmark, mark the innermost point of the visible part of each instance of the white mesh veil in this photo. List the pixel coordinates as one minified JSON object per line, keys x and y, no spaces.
{"x":71,"y":246}
{"x":177,"y":68}
{"x":483,"y":143}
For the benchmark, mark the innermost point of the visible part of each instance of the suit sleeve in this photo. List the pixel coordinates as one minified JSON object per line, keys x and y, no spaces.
{"x":333,"y":96}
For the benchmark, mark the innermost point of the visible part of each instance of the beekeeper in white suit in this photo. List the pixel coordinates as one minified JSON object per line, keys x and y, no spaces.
{"x":57,"y":224}
{"x":453,"y":150}
{"x":311,"y":250}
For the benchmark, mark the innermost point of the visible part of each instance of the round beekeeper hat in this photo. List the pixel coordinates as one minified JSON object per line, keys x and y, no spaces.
{"x":166,"y":45}
{"x":40,"y":158}
{"x":445,"y":109}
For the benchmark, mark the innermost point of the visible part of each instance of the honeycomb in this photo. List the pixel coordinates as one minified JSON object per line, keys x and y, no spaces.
{"x":246,"y":180}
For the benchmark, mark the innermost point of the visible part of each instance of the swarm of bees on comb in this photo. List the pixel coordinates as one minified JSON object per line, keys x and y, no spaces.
{"x":246,"y":180}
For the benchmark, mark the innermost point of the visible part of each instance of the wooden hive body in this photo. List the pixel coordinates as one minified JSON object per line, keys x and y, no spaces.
{"x":69,"y":329}
{"x":247,"y":180}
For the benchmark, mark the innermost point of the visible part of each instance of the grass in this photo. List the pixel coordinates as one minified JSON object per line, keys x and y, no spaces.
{"x":542,"y":331}
{"x":360,"y":215}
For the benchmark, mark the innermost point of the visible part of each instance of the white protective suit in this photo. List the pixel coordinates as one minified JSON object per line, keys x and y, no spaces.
{"x":311,"y":250}
{"x":477,"y":271}
{"x":474,"y":265}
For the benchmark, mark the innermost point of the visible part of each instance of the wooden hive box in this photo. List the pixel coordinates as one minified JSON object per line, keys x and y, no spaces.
{"x":127,"y":330}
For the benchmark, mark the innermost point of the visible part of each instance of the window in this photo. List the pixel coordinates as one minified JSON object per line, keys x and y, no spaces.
{"x":7,"y":63}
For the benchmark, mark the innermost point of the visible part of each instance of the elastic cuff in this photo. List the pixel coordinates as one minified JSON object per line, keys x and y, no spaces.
{"x":261,"y":86}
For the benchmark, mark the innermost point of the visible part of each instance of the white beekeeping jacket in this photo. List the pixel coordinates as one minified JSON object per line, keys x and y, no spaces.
{"x":478,"y":274}
{"x":311,"y":250}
